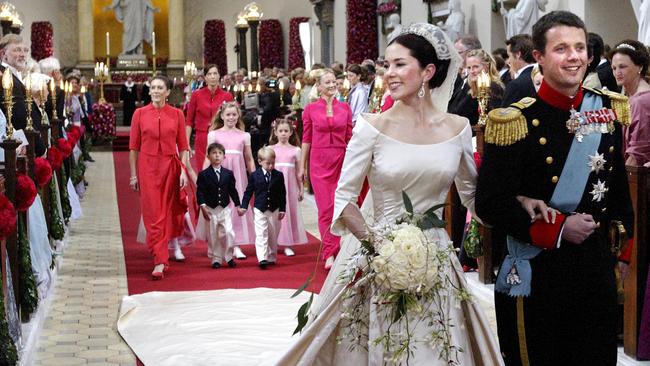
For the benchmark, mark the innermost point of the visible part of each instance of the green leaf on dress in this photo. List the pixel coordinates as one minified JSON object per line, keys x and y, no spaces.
{"x":407,"y":203}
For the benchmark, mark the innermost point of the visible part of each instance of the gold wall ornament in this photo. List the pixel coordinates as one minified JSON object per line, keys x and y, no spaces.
{"x":505,"y":126}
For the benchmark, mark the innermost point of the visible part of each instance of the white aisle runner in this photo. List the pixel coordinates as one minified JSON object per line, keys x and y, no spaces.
{"x":220,"y":327}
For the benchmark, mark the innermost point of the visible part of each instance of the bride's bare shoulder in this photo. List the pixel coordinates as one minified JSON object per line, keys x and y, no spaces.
{"x":380,"y":121}
{"x":456,"y":122}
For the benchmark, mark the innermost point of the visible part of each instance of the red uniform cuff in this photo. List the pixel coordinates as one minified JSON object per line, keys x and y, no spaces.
{"x":626,"y":252}
{"x":546,"y":236}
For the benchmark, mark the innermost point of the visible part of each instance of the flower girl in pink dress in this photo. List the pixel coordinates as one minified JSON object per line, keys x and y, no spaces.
{"x":228,"y":130}
{"x":284,"y":142}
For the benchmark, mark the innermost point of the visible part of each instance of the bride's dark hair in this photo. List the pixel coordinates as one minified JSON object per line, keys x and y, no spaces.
{"x":425,"y":53}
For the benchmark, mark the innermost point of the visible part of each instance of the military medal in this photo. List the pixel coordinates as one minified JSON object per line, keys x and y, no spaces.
{"x":597,"y":162}
{"x":599,"y":191}
{"x":586,"y":123}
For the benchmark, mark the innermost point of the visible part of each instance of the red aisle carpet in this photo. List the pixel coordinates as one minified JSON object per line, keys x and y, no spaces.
{"x":195,"y":273}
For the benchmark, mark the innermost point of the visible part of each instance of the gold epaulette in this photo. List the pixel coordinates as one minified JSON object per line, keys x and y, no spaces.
{"x":506,"y":126}
{"x":524,"y":102}
{"x":620,"y":105}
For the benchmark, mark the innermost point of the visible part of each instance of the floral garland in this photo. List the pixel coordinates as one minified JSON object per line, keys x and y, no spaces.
{"x":78,"y":171}
{"x":214,"y":45}
{"x":57,"y":230}
{"x":65,"y":199}
{"x":296,"y":52}
{"x":29,"y":301}
{"x":103,"y":120}
{"x":42,"y":40}
{"x":8,"y":352}
{"x":271,"y":44}
{"x":362,"y":30}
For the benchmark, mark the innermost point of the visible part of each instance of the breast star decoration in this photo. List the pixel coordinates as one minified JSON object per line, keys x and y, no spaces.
{"x":599,"y":191}
{"x":597,"y":162}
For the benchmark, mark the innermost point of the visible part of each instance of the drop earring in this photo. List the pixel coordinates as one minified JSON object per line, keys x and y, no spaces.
{"x":421,"y":92}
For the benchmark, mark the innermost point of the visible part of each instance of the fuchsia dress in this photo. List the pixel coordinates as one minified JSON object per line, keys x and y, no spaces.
{"x":235,"y":142}
{"x":292,"y":231}
{"x":328,"y":137}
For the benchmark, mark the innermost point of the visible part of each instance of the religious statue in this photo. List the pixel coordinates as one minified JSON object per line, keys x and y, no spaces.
{"x":454,"y":26}
{"x":394,"y":24}
{"x":642,"y":13}
{"x":137,"y":18}
{"x":520,"y":20}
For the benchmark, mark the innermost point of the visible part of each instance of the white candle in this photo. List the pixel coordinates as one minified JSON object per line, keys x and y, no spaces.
{"x":108,"y":44}
{"x":153,"y":42}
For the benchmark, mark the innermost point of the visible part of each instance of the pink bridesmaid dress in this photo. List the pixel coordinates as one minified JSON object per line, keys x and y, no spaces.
{"x":292,"y":231}
{"x":235,"y":141}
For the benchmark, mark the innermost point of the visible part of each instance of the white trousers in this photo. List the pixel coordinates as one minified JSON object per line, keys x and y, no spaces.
{"x":267,"y":229}
{"x":220,"y":235}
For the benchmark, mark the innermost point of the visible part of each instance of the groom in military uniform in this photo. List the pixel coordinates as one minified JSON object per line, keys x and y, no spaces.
{"x":553,"y":178}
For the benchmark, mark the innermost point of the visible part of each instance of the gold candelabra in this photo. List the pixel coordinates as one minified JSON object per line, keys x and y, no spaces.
{"x":281,"y":88}
{"x":28,"y":101}
{"x":378,"y":92}
{"x":190,"y":72}
{"x":483,"y":86}
{"x":346,"y":89}
{"x":101,"y":73}
{"x":296,"y":96}
{"x":7,"y":86}
{"x":53,"y":96}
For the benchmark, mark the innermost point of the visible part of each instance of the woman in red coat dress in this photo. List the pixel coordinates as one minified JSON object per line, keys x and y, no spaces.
{"x":204,"y":104}
{"x":157,"y":147}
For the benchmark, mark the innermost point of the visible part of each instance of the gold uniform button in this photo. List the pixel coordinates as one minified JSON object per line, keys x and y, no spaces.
{"x":549,"y":160}
{"x":554,"y":179}
{"x":611,"y":149}
{"x":535,"y":122}
{"x":604,"y":209}
{"x":542,"y":140}
{"x":597,"y":224}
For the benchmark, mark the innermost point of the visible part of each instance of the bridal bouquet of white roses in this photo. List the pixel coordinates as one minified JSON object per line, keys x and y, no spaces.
{"x":405,"y":275}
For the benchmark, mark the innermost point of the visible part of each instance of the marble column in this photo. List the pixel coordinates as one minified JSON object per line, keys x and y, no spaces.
{"x":86,"y":33}
{"x":176,"y":34}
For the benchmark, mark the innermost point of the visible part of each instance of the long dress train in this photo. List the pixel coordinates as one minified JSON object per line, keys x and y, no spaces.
{"x":425,"y":173}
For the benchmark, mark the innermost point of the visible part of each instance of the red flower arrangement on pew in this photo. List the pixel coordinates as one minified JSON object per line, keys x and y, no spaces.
{"x":103,"y":120}
{"x":74,"y":134}
{"x":271,"y":44}
{"x":25,"y":192}
{"x":296,"y":52}
{"x":362,"y":30}
{"x":65,"y":147}
{"x":42,"y":40}
{"x":214,"y":44}
{"x":54,"y":157}
{"x":42,"y":171}
{"x":8,"y":217}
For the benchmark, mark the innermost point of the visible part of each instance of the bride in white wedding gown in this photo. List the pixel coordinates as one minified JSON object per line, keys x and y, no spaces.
{"x":417,"y":148}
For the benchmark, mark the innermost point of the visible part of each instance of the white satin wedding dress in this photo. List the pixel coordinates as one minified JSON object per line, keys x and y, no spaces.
{"x":425,"y":173}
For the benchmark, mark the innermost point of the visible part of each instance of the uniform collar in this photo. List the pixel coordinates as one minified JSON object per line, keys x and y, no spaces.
{"x":557,"y":99}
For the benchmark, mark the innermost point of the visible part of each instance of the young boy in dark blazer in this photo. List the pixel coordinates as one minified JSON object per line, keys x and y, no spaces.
{"x":215,"y":187}
{"x":267,"y":185}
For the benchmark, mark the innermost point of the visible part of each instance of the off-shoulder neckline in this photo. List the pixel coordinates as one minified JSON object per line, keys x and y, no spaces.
{"x":408,"y":143}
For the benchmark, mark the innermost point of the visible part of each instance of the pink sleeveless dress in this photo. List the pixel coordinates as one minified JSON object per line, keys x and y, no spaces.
{"x":234,"y":142}
{"x":292,"y":230}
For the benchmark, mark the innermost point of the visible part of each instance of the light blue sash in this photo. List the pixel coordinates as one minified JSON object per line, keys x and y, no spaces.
{"x":515,"y":275}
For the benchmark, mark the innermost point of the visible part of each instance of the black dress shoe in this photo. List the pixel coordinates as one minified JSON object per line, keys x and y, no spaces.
{"x":232,"y":264}
{"x":272,"y":263}
{"x":216,"y":265}
{"x":263,"y":264}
